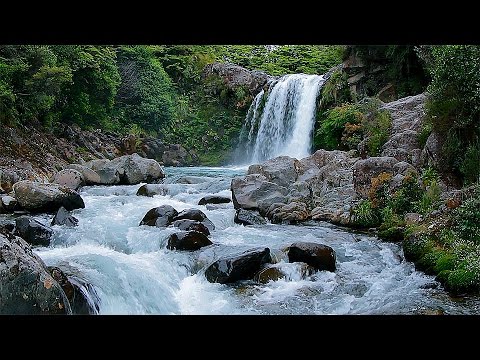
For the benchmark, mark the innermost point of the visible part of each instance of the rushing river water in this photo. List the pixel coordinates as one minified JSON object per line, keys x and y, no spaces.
{"x":133,"y":272}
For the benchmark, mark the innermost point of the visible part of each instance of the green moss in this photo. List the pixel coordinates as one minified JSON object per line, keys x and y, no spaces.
{"x":462,"y":281}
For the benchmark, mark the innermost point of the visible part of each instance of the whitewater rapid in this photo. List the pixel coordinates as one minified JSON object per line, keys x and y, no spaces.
{"x":132,"y":272}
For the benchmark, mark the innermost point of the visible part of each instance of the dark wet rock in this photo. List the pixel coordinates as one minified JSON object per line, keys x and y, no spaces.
{"x":161,"y":216}
{"x":33,"y":231}
{"x":81,"y":295}
{"x":26,"y":287}
{"x":38,"y":197}
{"x":191,"y":225}
{"x":321,"y":257}
{"x":70,"y":178}
{"x":242,"y":266}
{"x":63,"y":217}
{"x":191,"y":240}
{"x":90,"y":176}
{"x":152,"y":189}
{"x":197,"y":215}
{"x":214,"y":199}
{"x":248,"y":217}
{"x":269,"y":273}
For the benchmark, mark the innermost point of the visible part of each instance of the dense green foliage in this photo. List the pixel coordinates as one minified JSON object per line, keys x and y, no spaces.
{"x":454,"y":107}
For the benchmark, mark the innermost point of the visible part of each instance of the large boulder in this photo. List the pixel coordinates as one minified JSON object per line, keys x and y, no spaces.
{"x":70,"y":178}
{"x":63,"y":217}
{"x":191,"y":225}
{"x":108,"y":176}
{"x":33,"y":231}
{"x":292,"y":213}
{"x":321,"y":257}
{"x":282,"y":170}
{"x":242,"y":266}
{"x":97,"y":164}
{"x":366,"y":169}
{"x":38,"y":197}
{"x":26,"y":287}
{"x":191,"y":240}
{"x":248,"y":217}
{"x":214,"y":199}
{"x":133,"y":169}
{"x":90,"y":176}
{"x":255,"y":192}
{"x":161,"y":216}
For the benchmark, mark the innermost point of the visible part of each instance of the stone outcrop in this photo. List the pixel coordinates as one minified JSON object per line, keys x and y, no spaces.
{"x":38,"y":197}
{"x":26,"y":287}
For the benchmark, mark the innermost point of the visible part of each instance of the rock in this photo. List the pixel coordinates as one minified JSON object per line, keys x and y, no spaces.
{"x":134,"y":169}
{"x":63,"y":217}
{"x":242,"y":266}
{"x":431,"y":153}
{"x":8,"y":177}
{"x":197,"y":215}
{"x":76,"y":291}
{"x":38,"y":197}
{"x":152,"y":189}
{"x":191,"y":225}
{"x":321,"y":257}
{"x":412,"y":218}
{"x":235,"y":77}
{"x":191,"y":240}
{"x":282,"y":170}
{"x":292,"y":213}
{"x":255,"y":192}
{"x":214,"y":199}
{"x":108,"y":176}
{"x":33,"y":231}
{"x":191,"y":180}
{"x":269,"y":273}
{"x":26,"y":287}
{"x":70,"y":178}
{"x":176,"y":155}
{"x":8,"y":203}
{"x":161,"y":216}
{"x":97,"y":164}
{"x":366,"y":169}
{"x":90,"y":176}
{"x":248,"y":217}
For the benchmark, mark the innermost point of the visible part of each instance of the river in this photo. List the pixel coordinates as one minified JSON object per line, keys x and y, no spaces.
{"x":132,"y":272}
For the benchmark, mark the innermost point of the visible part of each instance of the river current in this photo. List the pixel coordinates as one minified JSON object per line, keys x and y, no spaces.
{"x":132,"y":272}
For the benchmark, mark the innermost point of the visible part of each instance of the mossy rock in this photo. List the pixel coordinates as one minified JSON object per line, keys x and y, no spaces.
{"x":462,"y":281}
{"x":416,"y":246}
{"x":393,"y":234}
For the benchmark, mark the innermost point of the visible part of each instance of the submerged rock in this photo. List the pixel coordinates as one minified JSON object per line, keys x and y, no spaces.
{"x":214,"y":199}
{"x":248,"y":217}
{"x":38,"y":197}
{"x":33,"y":231}
{"x":26,"y":287}
{"x":152,"y":189}
{"x":191,"y":240}
{"x":242,"y":266}
{"x":161,"y":216}
{"x":70,"y":178}
{"x":63,"y":217}
{"x":321,"y":257}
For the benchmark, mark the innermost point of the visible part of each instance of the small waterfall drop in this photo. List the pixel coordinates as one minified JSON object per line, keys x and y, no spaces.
{"x":280,"y":121}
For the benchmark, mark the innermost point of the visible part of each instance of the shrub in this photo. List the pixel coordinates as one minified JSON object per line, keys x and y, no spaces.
{"x":365,"y":214}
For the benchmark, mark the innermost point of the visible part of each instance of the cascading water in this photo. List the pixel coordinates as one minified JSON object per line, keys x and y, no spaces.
{"x":281,"y":120}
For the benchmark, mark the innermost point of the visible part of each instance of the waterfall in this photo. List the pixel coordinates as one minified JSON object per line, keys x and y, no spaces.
{"x":280,"y":121}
